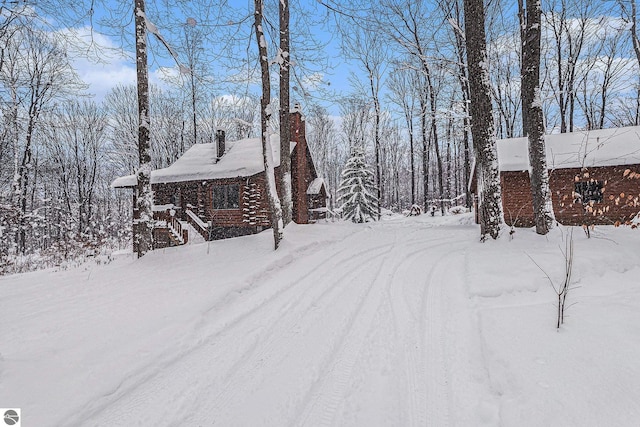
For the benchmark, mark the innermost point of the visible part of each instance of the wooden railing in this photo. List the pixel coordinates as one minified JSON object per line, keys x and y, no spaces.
{"x":198,"y":223}
{"x":176,"y":228}
{"x":168,"y":224}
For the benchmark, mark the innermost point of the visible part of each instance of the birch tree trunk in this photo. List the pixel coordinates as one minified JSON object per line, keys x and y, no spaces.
{"x":143,"y":215}
{"x":533,"y":120}
{"x":482,"y":125}
{"x":284,"y":174}
{"x":265,"y":114}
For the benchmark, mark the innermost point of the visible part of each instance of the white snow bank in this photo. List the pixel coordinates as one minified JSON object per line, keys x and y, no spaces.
{"x":81,"y":338}
{"x":586,"y":373}
{"x":409,"y":321}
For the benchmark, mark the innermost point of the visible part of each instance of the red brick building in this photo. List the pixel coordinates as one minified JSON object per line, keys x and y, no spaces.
{"x":594,"y":177}
{"x":220,"y":189}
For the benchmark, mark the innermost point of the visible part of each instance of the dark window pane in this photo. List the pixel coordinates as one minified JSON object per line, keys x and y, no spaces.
{"x":587,"y":191}
{"x":226,"y":196}
{"x":219,"y":197}
{"x":233,"y":197}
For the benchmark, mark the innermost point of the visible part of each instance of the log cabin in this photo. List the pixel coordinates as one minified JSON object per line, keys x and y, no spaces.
{"x":219,"y":189}
{"x":594,"y":177}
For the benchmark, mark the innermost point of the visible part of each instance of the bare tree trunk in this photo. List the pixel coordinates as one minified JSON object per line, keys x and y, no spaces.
{"x":284,"y":174}
{"x":533,"y":120}
{"x":425,"y":153}
{"x":403,"y":84}
{"x":434,"y":129}
{"x":272,"y":196}
{"x":143,"y":215}
{"x":35,"y":105}
{"x":194,"y":106}
{"x":376,"y":141}
{"x":482,"y":125}
{"x":636,"y":48}
{"x":412,"y":160}
{"x":25,"y":165}
{"x":436,"y":144}
{"x":634,"y":31}
{"x":522,"y":18}
{"x":433,"y":109}
{"x":568,"y":38}
{"x":464,"y":88}
{"x":448,"y":160}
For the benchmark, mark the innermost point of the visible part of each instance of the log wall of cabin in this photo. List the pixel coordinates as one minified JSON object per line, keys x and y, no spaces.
{"x":199,"y":195}
{"x":620,"y":196}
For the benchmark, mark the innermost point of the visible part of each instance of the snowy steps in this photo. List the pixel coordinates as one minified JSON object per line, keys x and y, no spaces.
{"x":194,"y":236}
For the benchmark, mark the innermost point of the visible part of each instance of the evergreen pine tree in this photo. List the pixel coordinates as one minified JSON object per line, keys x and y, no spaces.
{"x":357,"y":189}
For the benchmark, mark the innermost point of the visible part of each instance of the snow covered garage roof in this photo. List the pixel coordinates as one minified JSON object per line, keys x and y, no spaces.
{"x":604,"y":147}
{"x":241,"y":158}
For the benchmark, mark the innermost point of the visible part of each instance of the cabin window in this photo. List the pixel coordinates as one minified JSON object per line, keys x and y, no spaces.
{"x":588,"y":191}
{"x":176,"y":200}
{"x":226,"y":196}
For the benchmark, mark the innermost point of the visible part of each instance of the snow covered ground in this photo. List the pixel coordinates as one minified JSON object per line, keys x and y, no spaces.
{"x":407,"y":322}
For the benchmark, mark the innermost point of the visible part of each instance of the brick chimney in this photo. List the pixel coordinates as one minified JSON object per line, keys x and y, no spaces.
{"x":299,"y":167}
{"x":220,"y":139}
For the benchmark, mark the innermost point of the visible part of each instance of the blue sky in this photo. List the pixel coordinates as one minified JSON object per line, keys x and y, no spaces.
{"x":105,"y":69}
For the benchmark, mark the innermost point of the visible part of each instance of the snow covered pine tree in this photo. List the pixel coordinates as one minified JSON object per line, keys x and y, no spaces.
{"x":357,"y":190}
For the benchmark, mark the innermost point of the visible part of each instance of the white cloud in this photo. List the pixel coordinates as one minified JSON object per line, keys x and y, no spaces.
{"x":102,"y":65}
{"x":101,"y":78}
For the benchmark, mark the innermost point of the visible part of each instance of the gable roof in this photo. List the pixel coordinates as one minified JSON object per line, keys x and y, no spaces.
{"x":603,"y":147}
{"x":241,"y":158}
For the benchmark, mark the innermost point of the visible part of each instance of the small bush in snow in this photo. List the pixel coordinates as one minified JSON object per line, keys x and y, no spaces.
{"x":562,"y":289}
{"x":414,"y":211}
{"x":457,"y":210}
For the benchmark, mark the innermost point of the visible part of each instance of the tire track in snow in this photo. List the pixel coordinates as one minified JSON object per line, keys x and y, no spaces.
{"x":438,"y":369}
{"x":259,"y":359}
{"x":272,"y":305}
{"x":247,"y":371}
{"x":131,"y":385}
{"x":410,"y":321}
{"x":412,"y":327}
{"x":326,"y":395}
{"x":139,"y":378}
{"x":265,"y":354}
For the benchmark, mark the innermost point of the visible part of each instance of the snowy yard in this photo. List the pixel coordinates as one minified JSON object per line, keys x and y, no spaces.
{"x":407,"y":322}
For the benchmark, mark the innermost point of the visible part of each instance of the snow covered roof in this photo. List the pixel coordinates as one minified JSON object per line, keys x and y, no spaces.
{"x":315,"y":186}
{"x":604,"y":147}
{"x":124,"y":182}
{"x":241,"y":158}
